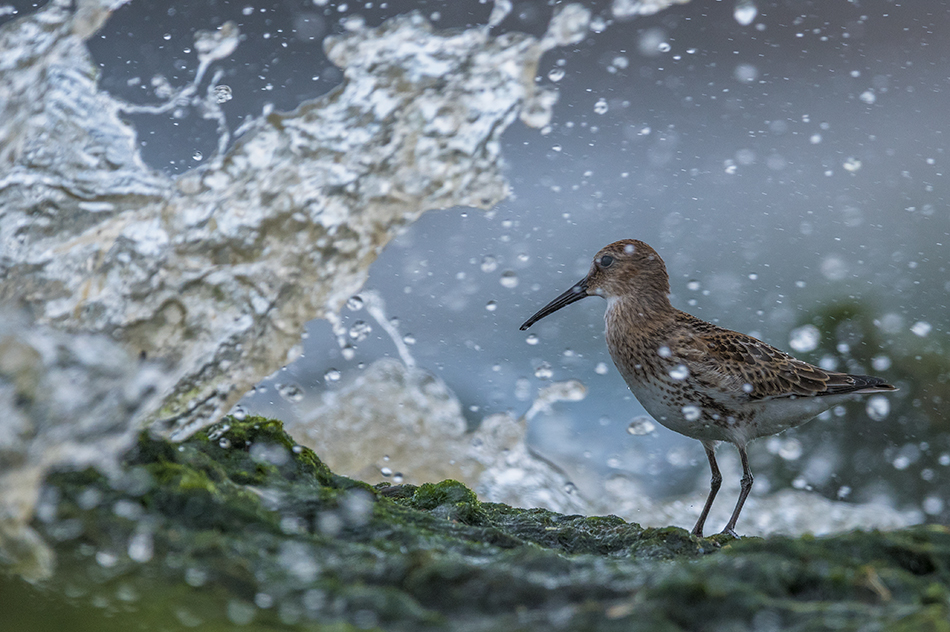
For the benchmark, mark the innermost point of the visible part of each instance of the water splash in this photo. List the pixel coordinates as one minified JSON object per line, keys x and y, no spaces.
{"x":568,"y":391}
{"x":394,"y":418}
{"x":217,"y":272}
{"x":213,"y":275}
{"x":68,"y":401}
{"x":622,"y":9}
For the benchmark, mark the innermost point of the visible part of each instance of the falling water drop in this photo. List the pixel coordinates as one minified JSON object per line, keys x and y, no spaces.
{"x":641,"y":425}
{"x":804,"y":338}
{"x":222,"y":94}
{"x":745,"y":12}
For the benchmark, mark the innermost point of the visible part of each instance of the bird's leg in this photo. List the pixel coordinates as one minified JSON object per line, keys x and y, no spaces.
{"x":744,"y":489}
{"x":714,"y":484}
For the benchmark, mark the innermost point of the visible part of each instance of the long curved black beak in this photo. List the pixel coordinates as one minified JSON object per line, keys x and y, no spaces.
{"x":576,"y":293}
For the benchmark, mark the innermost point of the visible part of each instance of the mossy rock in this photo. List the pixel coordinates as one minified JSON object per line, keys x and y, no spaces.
{"x":240,"y":526}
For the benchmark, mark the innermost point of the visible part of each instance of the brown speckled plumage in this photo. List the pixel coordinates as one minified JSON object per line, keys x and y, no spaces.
{"x":694,"y":377}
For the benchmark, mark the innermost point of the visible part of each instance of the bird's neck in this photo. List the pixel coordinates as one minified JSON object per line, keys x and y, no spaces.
{"x":639,"y":310}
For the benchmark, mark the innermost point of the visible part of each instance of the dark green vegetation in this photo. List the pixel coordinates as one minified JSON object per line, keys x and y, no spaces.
{"x":240,"y":527}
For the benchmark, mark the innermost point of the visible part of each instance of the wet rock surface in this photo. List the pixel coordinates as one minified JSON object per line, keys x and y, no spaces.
{"x":239,"y":525}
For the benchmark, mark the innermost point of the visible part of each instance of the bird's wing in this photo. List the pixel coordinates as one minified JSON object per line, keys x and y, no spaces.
{"x":729,"y":362}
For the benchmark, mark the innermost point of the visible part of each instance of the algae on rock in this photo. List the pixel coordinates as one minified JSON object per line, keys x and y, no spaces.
{"x":240,"y":525}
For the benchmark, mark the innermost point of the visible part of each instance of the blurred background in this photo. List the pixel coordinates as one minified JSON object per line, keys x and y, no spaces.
{"x":785,"y":158}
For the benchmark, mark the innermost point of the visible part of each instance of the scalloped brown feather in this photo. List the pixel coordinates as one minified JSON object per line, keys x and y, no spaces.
{"x":727,"y":360}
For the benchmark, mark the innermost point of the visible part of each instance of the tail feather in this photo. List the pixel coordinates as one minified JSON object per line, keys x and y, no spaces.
{"x":861,"y":384}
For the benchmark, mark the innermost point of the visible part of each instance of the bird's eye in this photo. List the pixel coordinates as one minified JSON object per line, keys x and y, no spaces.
{"x":606,"y":261}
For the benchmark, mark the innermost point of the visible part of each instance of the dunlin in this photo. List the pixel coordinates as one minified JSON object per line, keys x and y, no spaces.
{"x":696,"y":378}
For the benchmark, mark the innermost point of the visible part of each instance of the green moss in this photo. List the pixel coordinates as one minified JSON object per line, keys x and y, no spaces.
{"x":272,"y":538}
{"x":431,"y":495}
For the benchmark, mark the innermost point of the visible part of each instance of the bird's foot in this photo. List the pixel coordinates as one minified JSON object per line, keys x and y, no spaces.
{"x":732,"y":532}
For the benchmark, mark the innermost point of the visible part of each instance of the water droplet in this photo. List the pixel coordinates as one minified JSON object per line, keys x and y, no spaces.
{"x":532,"y":339}
{"x":601,"y":368}
{"x":868,"y":97}
{"x":601,"y":106}
{"x":222,"y":94}
{"x":878,"y":407}
{"x":544,"y":371}
{"x":852,"y":164}
{"x":691,"y":413}
{"x":197,"y":156}
{"x":409,"y":339}
{"x":745,"y":73}
{"x":290,"y":392}
{"x":556,"y":74}
{"x":641,"y":425}
{"x":106,"y":559}
{"x":677,"y":457}
{"x":881,"y":363}
{"x":679,"y":372}
{"x":570,"y":488}
{"x":489,"y":264}
{"x":509,"y":279}
{"x":745,"y":12}
{"x":386,"y":471}
{"x":224,"y":442}
{"x":491,"y":306}
{"x":693,"y":286}
{"x":933,"y":505}
{"x":804,"y":338}
{"x":664,"y":352}
{"x":218,"y":430}
{"x":360,"y":330}
{"x":272,"y":453}
{"x":348,"y":352}
{"x":650,"y":41}
{"x":921,"y":328}
{"x":790,"y":449}
{"x":332,"y":375}
{"x":354,"y":303}
{"x":141,"y":546}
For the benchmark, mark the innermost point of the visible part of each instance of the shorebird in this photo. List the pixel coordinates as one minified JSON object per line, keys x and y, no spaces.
{"x":696,"y":378}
